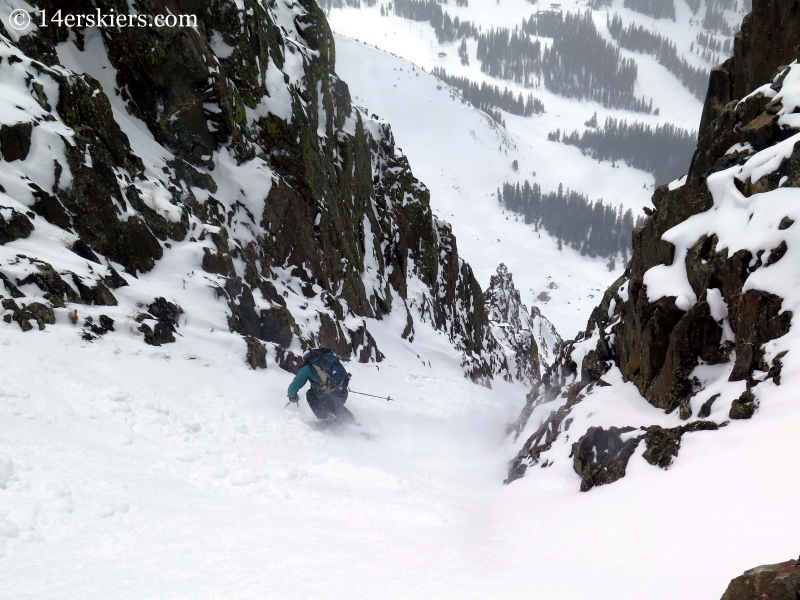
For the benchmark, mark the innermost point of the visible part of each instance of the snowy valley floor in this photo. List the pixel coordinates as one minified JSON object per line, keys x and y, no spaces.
{"x":135,"y":472}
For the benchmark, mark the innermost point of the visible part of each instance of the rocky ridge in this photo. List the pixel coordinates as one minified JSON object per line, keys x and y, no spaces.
{"x":528,"y":339}
{"x":231,"y":156}
{"x":698,"y":323}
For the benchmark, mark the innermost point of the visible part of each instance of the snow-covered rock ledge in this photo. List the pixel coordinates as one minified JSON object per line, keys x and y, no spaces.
{"x":703,"y":325}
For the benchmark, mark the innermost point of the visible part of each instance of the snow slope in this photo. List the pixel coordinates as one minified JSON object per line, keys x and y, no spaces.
{"x":133,"y":472}
{"x":139,"y":472}
{"x":416,"y":42}
{"x":463,"y":157}
{"x":128,"y":471}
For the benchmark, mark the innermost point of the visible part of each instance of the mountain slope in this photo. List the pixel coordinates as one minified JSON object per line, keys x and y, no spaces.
{"x":421,"y":40}
{"x":702,"y":324}
{"x":530,"y":341}
{"x":463,"y":158}
{"x":235,"y":155}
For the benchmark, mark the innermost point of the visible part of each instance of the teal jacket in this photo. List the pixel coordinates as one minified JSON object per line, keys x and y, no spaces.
{"x":306,"y":373}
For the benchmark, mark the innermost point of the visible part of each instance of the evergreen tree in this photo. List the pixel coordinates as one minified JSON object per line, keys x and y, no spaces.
{"x":489,"y":98}
{"x":579,"y":63}
{"x":462,"y":52}
{"x":664,"y":150}
{"x":593,"y":228}
{"x":446,"y":28}
{"x":659,"y":9}
{"x":638,"y":39}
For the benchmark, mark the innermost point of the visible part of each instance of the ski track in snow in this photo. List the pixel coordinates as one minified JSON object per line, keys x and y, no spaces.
{"x":128,"y":471}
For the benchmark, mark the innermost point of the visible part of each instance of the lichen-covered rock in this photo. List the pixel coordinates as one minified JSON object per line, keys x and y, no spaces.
{"x":744,"y":406}
{"x":528,"y":338}
{"x":662,"y":445}
{"x":92,"y":331}
{"x":160,"y":333}
{"x":601,"y":455}
{"x":290,"y":193}
{"x":694,"y":294}
{"x":48,"y":280}
{"x":167,"y":315}
{"x":256,"y":353}
{"x":768,"y":582}
{"x":276,"y":325}
{"x":13,"y":225}
{"x":287,"y":360}
{"x":15,"y":141}
{"x":42,"y":314}
{"x":657,"y":343}
{"x":166,"y":312}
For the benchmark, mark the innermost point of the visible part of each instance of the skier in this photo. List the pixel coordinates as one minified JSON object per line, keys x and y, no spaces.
{"x":329,"y":382}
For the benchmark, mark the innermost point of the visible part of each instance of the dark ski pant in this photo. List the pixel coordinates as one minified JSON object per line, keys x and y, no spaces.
{"x":329,"y":405}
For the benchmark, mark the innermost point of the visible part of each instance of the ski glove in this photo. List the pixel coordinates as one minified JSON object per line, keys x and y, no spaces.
{"x":294,"y":399}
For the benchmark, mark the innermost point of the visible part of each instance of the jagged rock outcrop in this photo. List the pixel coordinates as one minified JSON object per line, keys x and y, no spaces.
{"x":13,"y":225}
{"x":92,"y":330}
{"x":600,"y":456}
{"x":308,"y":222}
{"x":767,"y":39}
{"x":40,"y":313}
{"x":768,"y":582}
{"x":659,"y":343}
{"x":703,"y":292}
{"x":528,"y":338}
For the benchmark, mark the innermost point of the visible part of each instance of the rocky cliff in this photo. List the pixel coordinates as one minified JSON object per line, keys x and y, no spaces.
{"x":699,"y":321}
{"x":230,"y":157}
{"x":528,"y":339}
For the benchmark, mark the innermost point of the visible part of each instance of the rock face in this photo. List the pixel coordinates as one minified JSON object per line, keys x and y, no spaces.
{"x":600,"y":456}
{"x":768,"y":582}
{"x":528,"y":338}
{"x":13,"y":225}
{"x":658,"y":344}
{"x":767,"y":40}
{"x":306,"y":218}
{"x":693,"y":297}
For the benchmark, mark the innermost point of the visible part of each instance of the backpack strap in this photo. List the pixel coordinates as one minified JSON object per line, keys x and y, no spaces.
{"x":323,"y":376}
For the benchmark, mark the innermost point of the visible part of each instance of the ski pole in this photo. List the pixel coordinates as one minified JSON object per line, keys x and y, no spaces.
{"x":371,"y":395}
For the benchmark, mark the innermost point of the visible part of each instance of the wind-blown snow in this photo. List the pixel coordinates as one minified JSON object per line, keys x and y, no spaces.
{"x":177,"y":472}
